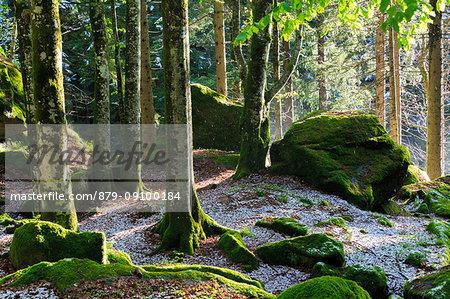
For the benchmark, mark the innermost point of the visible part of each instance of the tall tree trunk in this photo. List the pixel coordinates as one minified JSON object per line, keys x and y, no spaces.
{"x":380,"y":71}
{"x":276,"y":77}
{"x":117,"y":59}
{"x":219,"y":37}
{"x":147,"y":110}
{"x":237,"y":49}
{"x":394,"y":88}
{"x":23,"y":13}
{"x":289,"y":105}
{"x":435,"y":101}
{"x":254,"y":121}
{"x":12,"y":48}
{"x":49,"y":104}
{"x":321,"y":61}
{"x":181,"y":230}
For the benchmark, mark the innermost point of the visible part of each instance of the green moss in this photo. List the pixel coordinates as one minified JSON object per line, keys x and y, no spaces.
{"x":386,"y":222}
{"x":45,"y":241}
{"x":429,"y":287}
{"x":288,"y":226}
{"x":227,"y":159}
{"x":325,"y":287}
{"x":423,"y":209}
{"x":337,"y":221}
{"x":413,"y":175}
{"x":421,"y":189}
{"x":415,"y":259}
{"x":215,"y":120}
{"x":65,"y":273}
{"x":371,"y":278}
{"x":322,"y":269}
{"x":393,"y":208}
{"x":442,"y":230}
{"x":364,"y":166}
{"x":363,"y":231}
{"x":303,"y":251}
{"x":438,"y":202}
{"x":119,"y":257}
{"x":347,"y":218}
{"x":231,"y":243}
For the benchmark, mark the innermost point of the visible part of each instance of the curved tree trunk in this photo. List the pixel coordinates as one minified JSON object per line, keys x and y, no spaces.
{"x":219,"y":37}
{"x":49,"y":104}
{"x":380,"y":71}
{"x":395,"y":125}
{"x":254,"y":121}
{"x":435,"y":118}
{"x":117,"y":59}
{"x":181,"y":230}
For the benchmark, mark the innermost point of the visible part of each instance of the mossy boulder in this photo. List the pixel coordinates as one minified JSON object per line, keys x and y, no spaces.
{"x":385,"y":221}
{"x":415,"y":259}
{"x":393,"y":208}
{"x":66,"y":272}
{"x":303,"y":251}
{"x":438,"y":202}
{"x":215,"y":120}
{"x":11,"y":95}
{"x":284,"y":225}
{"x":364,"y":166}
{"x":432,"y":286}
{"x":415,"y":175}
{"x":370,"y":278}
{"x":45,"y":241}
{"x":322,"y":269}
{"x":336,"y":221}
{"x":325,"y":287}
{"x":231,"y":243}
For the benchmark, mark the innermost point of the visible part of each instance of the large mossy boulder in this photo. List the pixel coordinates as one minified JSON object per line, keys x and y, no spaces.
{"x":11,"y":95}
{"x":284,"y":225}
{"x":303,"y":251}
{"x":325,"y":287}
{"x":346,"y":153}
{"x":231,"y":243}
{"x":370,"y":278}
{"x":215,"y":120}
{"x":45,"y":241}
{"x":434,"y":286}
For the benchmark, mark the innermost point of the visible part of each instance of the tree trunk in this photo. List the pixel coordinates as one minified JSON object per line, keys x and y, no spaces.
{"x":254,"y":121}
{"x":117,"y":59}
{"x":435,"y":101}
{"x":289,"y":105}
{"x":321,"y":64}
{"x":394,"y":88}
{"x":181,"y":230}
{"x":23,"y":13}
{"x":380,"y":71}
{"x":276,"y":77}
{"x":237,"y":50}
{"x":219,"y":37}
{"x":49,"y":103}
{"x":12,"y":49}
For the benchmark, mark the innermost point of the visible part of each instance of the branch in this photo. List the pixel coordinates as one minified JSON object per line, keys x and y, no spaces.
{"x":290,"y":70}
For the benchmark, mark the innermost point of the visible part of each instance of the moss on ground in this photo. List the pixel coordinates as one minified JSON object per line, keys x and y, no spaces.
{"x":303,"y":251}
{"x":119,"y":257}
{"x":325,"y":287}
{"x":370,"y":278}
{"x":393,"y":208}
{"x":231,"y":243}
{"x":45,"y":241}
{"x":227,"y":159}
{"x":386,"y":222}
{"x":439,"y":202}
{"x":415,"y":259}
{"x":322,"y":269}
{"x":285,"y":225}
{"x":364,"y":166}
{"x":442,"y":230}
{"x":215,"y":120}
{"x":432,"y":286}
{"x":337,"y":221}
{"x":65,"y":273}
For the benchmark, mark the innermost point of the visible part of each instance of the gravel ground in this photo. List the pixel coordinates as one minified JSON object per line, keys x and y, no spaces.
{"x":239,"y":204}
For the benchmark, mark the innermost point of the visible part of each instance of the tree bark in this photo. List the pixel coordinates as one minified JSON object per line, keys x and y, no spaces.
{"x":321,"y":64}
{"x":181,"y":230}
{"x":237,"y":50}
{"x":380,"y":71}
{"x":435,"y":101}
{"x":276,"y":77}
{"x":12,"y":49}
{"x":289,"y":105}
{"x":23,"y":13}
{"x":117,"y":60}
{"x":219,"y":37}
{"x":254,"y":122}
{"x":394,"y":88}
{"x":49,"y":103}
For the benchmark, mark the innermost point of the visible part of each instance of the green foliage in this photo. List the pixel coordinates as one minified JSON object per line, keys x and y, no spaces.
{"x":288,"y":226}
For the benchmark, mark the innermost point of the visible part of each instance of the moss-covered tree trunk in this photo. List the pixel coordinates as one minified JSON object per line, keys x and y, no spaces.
{"x":276,"y":76}
{"x":395,"y":125}
{"x":237,"y":49}
{"x":380,"y":70}
{"x":321,"y":81}
{"x":49,"y":103}
{"x":219,"y":38}
{"x":181,"y":230}
{"x":435,"y":101}
{"x":255,"y":121}
{"x":289,"y":105}
{"x":23,"y":13}
{"x":117,"y":58}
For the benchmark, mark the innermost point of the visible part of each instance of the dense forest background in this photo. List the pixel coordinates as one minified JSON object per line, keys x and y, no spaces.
{"x":348,"y":67}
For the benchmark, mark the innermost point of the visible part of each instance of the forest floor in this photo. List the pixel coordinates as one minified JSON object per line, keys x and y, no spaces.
{"x":238,"y":204}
